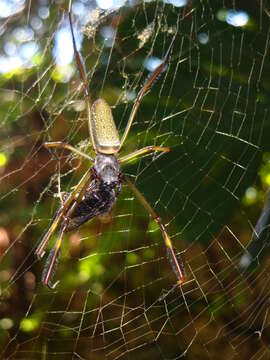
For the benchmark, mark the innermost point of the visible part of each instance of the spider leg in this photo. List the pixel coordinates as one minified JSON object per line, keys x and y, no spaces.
{"x":175,"y":261}
{"x":75,"y":196}
{"x":147,"y":86}
{"x":52,"y":261}
{"x":60,"y":144}
{"x":140,"y":152}
{"x":82,"y":71}
{"x":78,"y":56}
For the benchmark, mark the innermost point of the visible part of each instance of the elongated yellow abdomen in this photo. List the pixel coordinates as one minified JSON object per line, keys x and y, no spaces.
{"x":104,"y":132}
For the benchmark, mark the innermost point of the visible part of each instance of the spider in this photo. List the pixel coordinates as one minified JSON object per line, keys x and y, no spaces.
{"x":98,"y":189}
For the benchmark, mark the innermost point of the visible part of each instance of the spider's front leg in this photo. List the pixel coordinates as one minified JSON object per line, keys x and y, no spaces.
{"x":75,"y":195}
{"x":52,"y":260}
{"x":64,"y":215}
{"x":175,"y":260}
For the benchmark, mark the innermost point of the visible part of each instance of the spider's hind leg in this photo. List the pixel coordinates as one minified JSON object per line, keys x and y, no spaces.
{"x":150,"y":81}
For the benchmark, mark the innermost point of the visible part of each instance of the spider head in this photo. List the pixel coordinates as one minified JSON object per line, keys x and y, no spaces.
{"x":107,"y":168}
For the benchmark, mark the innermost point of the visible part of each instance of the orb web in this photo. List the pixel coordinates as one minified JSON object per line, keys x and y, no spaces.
{"x":118,"y":297}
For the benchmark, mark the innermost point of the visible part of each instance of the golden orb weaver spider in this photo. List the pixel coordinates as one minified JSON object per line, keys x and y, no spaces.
{"x":98,"y":189}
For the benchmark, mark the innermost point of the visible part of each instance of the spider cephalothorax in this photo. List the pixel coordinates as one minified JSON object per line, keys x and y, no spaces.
{"x":107,"y":168}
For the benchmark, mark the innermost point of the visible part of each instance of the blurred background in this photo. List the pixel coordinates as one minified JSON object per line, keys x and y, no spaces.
{"x":117,"y":297}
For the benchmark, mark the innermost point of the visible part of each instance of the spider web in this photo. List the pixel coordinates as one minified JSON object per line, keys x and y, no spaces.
{"x":117,"y":297}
